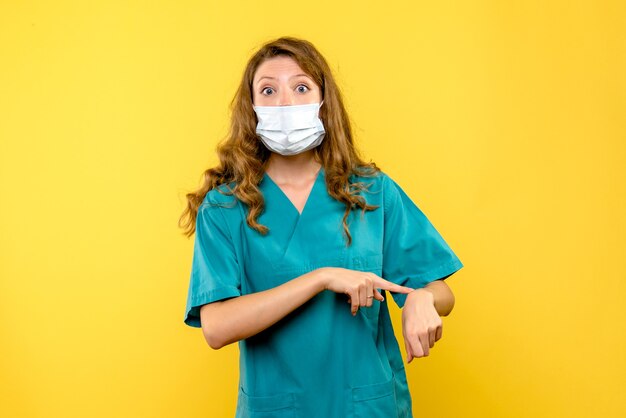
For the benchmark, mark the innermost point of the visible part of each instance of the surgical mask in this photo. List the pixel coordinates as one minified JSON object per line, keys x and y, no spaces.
{"x":290,"y":130}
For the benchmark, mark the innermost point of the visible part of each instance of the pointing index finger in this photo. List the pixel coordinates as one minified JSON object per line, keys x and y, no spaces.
{"x":392,"y":287}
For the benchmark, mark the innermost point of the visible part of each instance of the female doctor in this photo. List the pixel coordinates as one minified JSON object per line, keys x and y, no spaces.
{"x":297,"y":240}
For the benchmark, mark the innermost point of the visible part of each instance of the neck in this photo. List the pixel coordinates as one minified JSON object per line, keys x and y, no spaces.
{"x":287,"y":168}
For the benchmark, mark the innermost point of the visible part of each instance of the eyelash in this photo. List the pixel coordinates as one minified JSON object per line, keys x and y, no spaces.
{"x":301,"y":84}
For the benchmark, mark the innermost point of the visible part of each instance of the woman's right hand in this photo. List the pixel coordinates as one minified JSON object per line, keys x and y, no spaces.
{"x":358,"y":285}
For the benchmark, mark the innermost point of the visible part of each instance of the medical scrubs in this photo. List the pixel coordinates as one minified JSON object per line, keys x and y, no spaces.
{"x":319,"y":360}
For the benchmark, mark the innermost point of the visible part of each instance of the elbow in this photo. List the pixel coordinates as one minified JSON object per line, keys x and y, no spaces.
{"x":449,"y":305}
{"x":447,"y":298}
{"x":210,"y":329}
{"x":213,"y":340}
{"x":216,"y":331}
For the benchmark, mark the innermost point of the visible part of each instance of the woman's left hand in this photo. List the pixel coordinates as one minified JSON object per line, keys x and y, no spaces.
{"x":421,"y":324}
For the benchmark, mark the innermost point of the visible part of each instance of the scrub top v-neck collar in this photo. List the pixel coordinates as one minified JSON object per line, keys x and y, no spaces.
{"x":318,"y":179}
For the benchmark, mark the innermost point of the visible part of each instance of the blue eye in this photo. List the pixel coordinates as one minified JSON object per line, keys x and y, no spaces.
{"x":306,"y":88}
{"x":265,"y":89}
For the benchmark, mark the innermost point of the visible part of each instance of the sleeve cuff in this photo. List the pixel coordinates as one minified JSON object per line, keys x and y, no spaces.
{"x":417,"y":282}
{"x":192,"y":316}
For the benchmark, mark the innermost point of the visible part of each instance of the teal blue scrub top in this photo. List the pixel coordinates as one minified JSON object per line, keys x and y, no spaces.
{"x":319,"y":360}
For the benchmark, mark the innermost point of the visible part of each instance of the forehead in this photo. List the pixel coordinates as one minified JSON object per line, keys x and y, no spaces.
{"x":278,"y":67}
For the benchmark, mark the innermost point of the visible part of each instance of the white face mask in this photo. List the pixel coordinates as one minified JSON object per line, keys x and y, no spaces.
{"x":290,"y":130}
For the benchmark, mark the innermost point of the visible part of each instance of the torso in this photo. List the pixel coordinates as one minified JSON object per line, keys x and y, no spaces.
{"x":318,"y":348}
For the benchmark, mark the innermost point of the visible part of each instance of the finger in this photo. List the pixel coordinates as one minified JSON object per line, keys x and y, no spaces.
{"x":392,"y":287}
{"x":400,"y":289}
{"x":378,"y":296}
{"x":424,"y":342}
{"x":439,"y":332}
{"x":416,"y":347}
{"x":354,"y":298}
{"x":363,"y":295}
{"x":370,"y":293}
{"x":431,"y":337}
{"x":409,"y":357}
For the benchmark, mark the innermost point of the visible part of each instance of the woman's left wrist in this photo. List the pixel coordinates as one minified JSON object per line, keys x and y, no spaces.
{"x":422,"y":292}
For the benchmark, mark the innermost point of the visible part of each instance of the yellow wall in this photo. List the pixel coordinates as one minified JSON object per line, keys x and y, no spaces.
{"x":504,"y":121}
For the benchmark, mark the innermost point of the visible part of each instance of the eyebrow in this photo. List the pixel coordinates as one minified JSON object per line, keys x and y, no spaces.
{"x":273,"y":78}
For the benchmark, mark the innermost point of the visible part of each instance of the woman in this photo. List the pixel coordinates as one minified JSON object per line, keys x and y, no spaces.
{"x":292,"y":225}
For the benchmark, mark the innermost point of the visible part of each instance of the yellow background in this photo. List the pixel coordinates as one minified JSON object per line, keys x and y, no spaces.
{"x":504,"y":121}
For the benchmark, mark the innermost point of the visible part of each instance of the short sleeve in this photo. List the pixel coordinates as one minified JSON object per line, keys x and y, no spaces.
{"x":215,"y":272}
{"x":414,"y":253}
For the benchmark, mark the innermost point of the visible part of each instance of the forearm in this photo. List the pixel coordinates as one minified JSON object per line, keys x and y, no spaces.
{"x":440,"y":294}
{"x":228,"y":321}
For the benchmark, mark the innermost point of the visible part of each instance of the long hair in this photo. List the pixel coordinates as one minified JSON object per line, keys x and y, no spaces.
{"x":243,"y":157}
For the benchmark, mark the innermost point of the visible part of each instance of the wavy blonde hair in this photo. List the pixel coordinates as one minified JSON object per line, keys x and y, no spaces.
{"x":243,"y":157}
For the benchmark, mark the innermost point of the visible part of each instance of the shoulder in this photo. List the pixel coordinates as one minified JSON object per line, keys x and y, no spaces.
{"x":220,"y":195}
{"x":378,"y":183}
{"x":218,"y":210}
{"x":375,"y":181}
{"x":220,"y":201}
{"x":379,"y":189}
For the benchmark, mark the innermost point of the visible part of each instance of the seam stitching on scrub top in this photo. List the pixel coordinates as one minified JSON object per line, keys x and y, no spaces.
{"x":230,"y":234}
{"x":385,"y":198}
